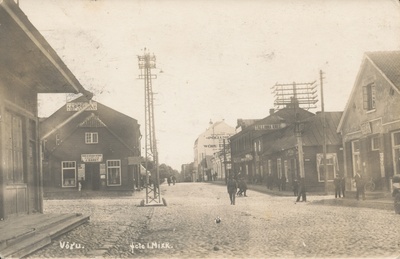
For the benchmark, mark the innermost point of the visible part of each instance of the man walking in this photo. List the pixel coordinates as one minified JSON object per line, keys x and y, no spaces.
{"x":302,"y":191}
{"x":232,"y":188}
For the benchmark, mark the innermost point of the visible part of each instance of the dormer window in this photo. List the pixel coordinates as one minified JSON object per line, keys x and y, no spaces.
{"x":369,"y":97}
{"x":91,"y":138}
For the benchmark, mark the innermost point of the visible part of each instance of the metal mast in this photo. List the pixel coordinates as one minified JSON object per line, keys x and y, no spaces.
{"x":146,"y":63}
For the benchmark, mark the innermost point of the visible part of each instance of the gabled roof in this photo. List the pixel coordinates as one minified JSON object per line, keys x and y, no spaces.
{"x":387,"y":63}
{"x":124,"y":127}
{"x":287,"y":115}
{"x":312,"y":134}
{"x":28,"y":59}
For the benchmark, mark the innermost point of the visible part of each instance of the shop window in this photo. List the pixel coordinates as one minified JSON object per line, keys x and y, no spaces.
{"x":68,"y":171}
{"x":91,"y":138}
{"x":332,"y":166}
{"x":14,"y":161}
{"x":113,"y":172}
{"x":375,"y":143}
{"x":369,"y":97}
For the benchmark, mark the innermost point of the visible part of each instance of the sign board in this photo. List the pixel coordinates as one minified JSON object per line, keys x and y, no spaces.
{"x":102,"y":169}
{"x":135,"y":160}
{"x":92,"y":158}
{"x":73,"y":107}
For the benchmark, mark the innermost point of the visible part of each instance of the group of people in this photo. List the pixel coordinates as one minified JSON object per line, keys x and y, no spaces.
{"x":171,"y":179}
{"x":233,"y":183}
{"x":340,"y":186}
{"x":272,"y":181}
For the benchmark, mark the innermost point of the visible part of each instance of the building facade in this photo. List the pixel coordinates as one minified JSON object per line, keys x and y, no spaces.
{"x":93,"y":148}
{"x":29,"y":66}
{"x":279,"y":154}
{"x":370,"y":126}
{"x":209,"y":142}
{"x":246,"y":144}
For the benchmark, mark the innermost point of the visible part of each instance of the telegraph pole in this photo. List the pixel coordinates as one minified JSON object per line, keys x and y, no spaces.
{"x":321,"y":77}
{"x":147,"y":62}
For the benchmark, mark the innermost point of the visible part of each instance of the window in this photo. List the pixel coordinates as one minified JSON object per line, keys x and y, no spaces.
{"x":91,"y":138}
{"x":355,"y":150}
{"x":68,"y":173}
{"x":279,"y":167}
{"x":396,"y":151}
{"x":375,"y":143}
{"x":269,"y":167}
{"x":369,"y":97}
{"x":14,"y":162}
{"x":332,"y":166}
{"x":113,"y":172}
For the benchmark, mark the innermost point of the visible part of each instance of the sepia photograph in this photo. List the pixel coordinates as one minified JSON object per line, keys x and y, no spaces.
{"x":199,"y":129}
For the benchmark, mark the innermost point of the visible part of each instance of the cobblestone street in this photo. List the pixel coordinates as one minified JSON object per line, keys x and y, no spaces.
{"x":257,"y":226}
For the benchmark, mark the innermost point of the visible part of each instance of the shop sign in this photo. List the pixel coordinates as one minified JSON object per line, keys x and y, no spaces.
{"x":92,"y":158}
{"x":102,"y":169}
{"x":73,"y":107}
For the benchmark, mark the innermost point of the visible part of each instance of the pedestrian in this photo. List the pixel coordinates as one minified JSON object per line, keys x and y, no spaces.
{"x":283,"y":182}
{"x":295,"y":187}
{"x":169,"y":180}
{"x":343,"y":185}
{"x":173,"y":179}
{"x":232,"y":188}
{"x":336,"y":182}
{"x":242,"y":187}
{"x":359,"y":186}
{"x":302,"y":191}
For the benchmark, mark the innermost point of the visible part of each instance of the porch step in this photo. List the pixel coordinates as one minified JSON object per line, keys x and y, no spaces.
{"x":41,"y":236}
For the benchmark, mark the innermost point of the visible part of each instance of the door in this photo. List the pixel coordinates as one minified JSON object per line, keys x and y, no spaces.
{"x":396,"y":151}
{"x":92,"y":173}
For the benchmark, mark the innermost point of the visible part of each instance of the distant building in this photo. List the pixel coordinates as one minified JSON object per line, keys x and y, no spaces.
{"x":92,"y":146}
{"x":28,"y":66}
{"x":209,"y":142}
{"x":246,"y":144}
{"x":370,"y":125}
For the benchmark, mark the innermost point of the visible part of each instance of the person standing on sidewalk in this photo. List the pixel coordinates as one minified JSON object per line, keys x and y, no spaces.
{"x":232,"y":188}
{"x":359,"y":186}
{"x":336,"y":182}
{"x":295,"y":187}
{"x":302,"y":191}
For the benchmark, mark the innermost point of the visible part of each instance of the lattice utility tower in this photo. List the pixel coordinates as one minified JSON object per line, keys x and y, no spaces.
{"x":304,"y":94}
{"x":146,"y":63}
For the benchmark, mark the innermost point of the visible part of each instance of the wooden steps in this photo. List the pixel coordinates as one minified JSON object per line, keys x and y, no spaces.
{"x":25,"y":235}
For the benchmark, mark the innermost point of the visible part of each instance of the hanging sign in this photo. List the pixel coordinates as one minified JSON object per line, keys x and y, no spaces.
{"x":73,"y":107}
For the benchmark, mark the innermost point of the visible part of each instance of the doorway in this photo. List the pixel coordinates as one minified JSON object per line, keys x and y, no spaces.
{"x":92,"y":174}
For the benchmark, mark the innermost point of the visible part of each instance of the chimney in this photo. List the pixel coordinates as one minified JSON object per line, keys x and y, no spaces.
{"x":271,"y":111}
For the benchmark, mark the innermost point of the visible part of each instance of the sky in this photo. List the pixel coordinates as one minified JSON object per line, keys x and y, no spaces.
{"x":216,"y":60}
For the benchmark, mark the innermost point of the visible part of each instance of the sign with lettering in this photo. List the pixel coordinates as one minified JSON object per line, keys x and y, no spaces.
{"x":366,"y":128}
{"x":102,"y":169}
{"x":92,"y":158}
{"x":73,"y":107}
{"x":81,"y":171}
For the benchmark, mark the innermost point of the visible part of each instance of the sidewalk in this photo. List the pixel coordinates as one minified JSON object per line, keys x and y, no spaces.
{"x":384,"y":203}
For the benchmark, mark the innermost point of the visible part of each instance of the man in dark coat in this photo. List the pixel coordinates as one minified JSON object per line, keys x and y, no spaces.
{"x":232,"y":188}
{"x":302,"y":191}
{"x":336,"y":182}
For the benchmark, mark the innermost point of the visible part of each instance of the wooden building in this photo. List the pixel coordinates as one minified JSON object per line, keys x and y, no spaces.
{"x":246,"y":144}
{"x":90,"y":143}
{"x":28,"y":66}
{"x":279,"y":153}
{"x":370,"y":125}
